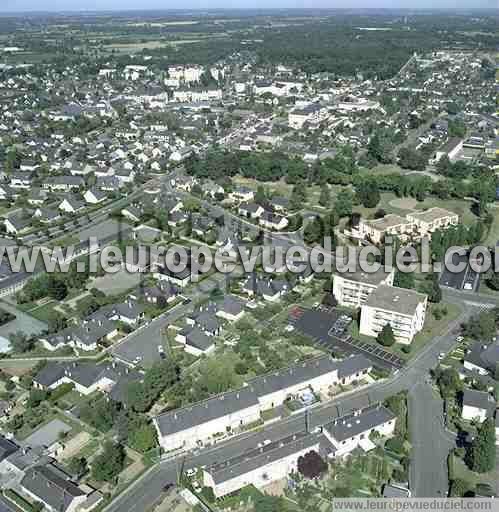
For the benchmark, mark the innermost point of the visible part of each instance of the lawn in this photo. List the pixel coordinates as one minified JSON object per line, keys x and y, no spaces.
{"x":362,"y":474}
{"x":459,"y":470}
{"x":493,"y":235}
{"x":43,"y":312}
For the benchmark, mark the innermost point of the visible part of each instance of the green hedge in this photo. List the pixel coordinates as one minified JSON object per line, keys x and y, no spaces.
{"x":19,"y":500}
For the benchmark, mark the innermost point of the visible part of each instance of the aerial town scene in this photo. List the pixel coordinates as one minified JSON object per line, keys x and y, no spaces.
{"x":156,"y":353}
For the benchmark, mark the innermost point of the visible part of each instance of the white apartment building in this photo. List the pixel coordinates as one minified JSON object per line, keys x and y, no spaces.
{"x":391,"y":224}
{"x":430,"y":220}
{"x":414,"y":226}
{"x":404,"y":310}
{"x":353,"y":289}
{"x":195,"y":95}
{"x":450,"y":149}
{"x":186,"y":74}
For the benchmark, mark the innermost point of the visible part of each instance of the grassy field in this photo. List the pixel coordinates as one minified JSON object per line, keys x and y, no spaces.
{"x":42,"y":312}
{"x":493,"y":236}
{"x":461,"y":471}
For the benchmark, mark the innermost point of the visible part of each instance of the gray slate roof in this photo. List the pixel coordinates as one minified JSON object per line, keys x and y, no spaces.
{"x":233,"y":401}
{"x":353,"y":424}
{"x":51,"y":486}
{"x":478,"y":399}
{"x":260,"y":457}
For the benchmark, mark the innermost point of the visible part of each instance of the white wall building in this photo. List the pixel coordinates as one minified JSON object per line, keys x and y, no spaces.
{"x":201,"y":423}
{"x":353,"y":289}
{"x":353,"y":430}
{"x":404,"y":310}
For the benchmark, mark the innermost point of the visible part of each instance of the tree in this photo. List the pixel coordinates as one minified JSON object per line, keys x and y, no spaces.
{"x":78,"y":466}
{"x":57,"y":288}
{"x":368,"y":193}
{"x":325,"y":196}
{"x":110,"y":463}
{"x":87,"y":306}
{"x":36,"y":397}
{"x":311,"y":465}
{"x":20,"y":342}
{"x":56,"y":321}
{"x":482,"y":456}
{"x":298,"y":196}
{"x":411,"y":159}
{"x":435,"y":294}
{"x":140,"y":396}
{"x":344,"y":203}
{"x":481,"y":326}
{"x":260,"y":196}
{"x":493,"y":281}
{"x":448,"y":382}
{"x":314,"y":231}
{"x":386,"y":337}
{"x":100,"y":413}
{"x":404,"y":279}
{"x":141,"y":435}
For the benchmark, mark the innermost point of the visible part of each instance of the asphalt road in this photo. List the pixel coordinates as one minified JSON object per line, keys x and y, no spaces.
{"x":431,"y":445}
{"x":144,"y":342}
{"x":145,"y":493}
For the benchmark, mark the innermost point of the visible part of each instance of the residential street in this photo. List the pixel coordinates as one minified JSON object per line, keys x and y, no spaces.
{"x":146,"y":492}
{"x":431,"y":442}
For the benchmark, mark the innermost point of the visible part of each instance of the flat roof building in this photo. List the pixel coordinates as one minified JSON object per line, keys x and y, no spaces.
{"x":404,"y":310}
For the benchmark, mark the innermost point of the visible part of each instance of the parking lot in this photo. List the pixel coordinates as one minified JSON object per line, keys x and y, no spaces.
{"x":466,"y":279}
{"x":328,"y":328}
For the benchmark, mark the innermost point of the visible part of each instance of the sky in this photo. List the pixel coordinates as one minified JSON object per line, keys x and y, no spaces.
{"x":94,"y":5}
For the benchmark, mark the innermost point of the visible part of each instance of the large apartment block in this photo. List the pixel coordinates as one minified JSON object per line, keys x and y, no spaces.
{"x":430,"y":220}
{"x":414,"y":226}
{"x":404,"y":310}
{"x":199,"y":424}
{"x":353,"y":289}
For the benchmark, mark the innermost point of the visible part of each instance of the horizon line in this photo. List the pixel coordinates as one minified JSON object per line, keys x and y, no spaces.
{"x":208,"y":9}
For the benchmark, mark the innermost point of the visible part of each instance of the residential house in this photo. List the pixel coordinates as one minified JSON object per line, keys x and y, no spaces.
{"x":94,"y":196}
{"x":53,"y":488}
{"x":273,"y":221}
{"x":71,"y":204}
{"x":87,"y":378}
{"x":432,"y":219}
{"x":242,"y":195}
{"x":261,"y":466}
{"x":250,"y":210}
{"x":477,"y":405}
{"x":346,"y":433}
